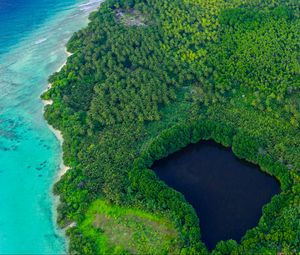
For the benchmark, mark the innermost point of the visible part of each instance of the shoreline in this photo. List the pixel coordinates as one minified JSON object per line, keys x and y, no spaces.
{"x":31,"y":155}
{"x":63,"y":169}
{"x":58,"y":134}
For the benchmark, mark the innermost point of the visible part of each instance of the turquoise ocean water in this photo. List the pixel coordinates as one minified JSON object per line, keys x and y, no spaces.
{"x":32,"y":38}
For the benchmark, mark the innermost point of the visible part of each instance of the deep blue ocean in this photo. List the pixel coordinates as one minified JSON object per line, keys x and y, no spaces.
{"x":32,"y":38}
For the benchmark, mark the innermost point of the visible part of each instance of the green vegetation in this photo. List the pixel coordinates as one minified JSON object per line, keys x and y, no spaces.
{"x":130,"y":17}
{"x":117,"y":230}
{"x":129,"y":95}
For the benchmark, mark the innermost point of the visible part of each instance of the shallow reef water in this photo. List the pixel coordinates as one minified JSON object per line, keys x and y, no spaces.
{"x":32,"y":39}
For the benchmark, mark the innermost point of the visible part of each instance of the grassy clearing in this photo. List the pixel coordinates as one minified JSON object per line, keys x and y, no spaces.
{"x":120,"y":230}
{"x":130,"y":17}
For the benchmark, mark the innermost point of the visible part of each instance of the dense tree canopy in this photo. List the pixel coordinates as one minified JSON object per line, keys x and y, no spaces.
{"x":196,"y":69}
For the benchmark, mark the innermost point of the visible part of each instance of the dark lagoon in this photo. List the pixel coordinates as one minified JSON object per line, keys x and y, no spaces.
{"x":227,"y":193}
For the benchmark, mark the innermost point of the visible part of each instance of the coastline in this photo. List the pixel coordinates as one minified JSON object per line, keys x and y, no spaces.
{"x":62,"y":167}
{"x":30,"y":153}
{"x":90,"y":6}
{"x":58,"y":134}
{"x":50,"y":102}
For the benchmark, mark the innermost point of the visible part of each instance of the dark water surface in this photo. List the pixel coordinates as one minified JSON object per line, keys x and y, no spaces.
{"x":227,"y":193}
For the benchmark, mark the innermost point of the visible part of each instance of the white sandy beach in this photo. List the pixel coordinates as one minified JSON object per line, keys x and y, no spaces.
{"x":63,"y":168}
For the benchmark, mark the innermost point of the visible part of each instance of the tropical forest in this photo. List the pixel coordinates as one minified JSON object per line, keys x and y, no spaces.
{"x":145,"y":79}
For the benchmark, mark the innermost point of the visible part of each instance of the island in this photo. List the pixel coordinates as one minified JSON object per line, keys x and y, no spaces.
{"x":148,"y":78}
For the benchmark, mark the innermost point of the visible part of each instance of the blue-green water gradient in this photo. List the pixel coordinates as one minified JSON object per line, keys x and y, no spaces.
{"x":32,"y":47}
